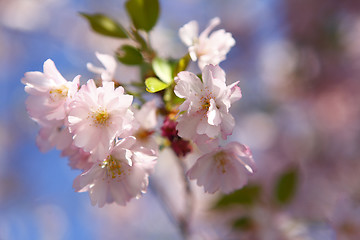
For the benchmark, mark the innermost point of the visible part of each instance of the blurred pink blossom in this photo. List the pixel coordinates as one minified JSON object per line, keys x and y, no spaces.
{"x":204,"y":48}
{"x":107,"y":73}
{"x":225,"y":168}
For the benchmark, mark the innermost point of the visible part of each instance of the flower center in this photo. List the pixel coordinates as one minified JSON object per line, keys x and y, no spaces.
{"x":206,"y":96}
{"x":221,"y":161}
{"x":58,"y":94}
{"x":101,"y":117}
{"x":143,"y":134}
{"x":205,"y":103}
{"x":114,"y":168}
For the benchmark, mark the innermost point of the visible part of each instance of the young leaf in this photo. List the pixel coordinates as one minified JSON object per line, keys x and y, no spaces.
{"x":286,"y":186}
{"x":143,"y":13}
{"x":245,"y":196}
{"x":105,"y":26}
{"x":182,"y":64}
{"x":129,"y":55}
{"x":163,"y":70}
{"x":154,"y":85}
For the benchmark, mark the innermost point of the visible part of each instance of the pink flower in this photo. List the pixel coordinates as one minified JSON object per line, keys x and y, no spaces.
{"x":146,"y":116}
{"x":55,"y":136}
{"x":206,"y":108}
{"x":144,"y":125}
{"x":98,"y":115}
{"x":121,"y":176}
{"x":225,"y":169}
{"x":208,"y":49}
{"x":50,"y":94}
{"x":78,"y":158}
{"x":109,"y":62}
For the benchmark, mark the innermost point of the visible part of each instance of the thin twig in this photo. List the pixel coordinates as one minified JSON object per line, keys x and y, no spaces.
{"x":182,"y":221}
{"x":160,"y":193}
{"x":185,"y":220}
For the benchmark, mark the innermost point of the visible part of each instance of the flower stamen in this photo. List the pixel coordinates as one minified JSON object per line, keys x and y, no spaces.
{"x":59,"y":93}
{"x":221,"y":161}
{"x":100,"y":117}
{"x":114,"y":168}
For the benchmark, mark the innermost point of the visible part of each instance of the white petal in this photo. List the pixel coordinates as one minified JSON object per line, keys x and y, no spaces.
{"x":189,"y":32}
{"x":235,"y":92}
{"x":187,"y":126}
{"x":210,"y":130}
{"x":108,"y":61}
{"x":227,"y":125}
{"x":94,"y":69}
{"x":37,"y":80}
{"x":211,"y":72}
{"x":126,"y":143}
{"x":146,"y":116}
{"x":187,"y":84}
{"x":214,"y":117}
{"x":213,"y":23}
{"x":51,"y":71}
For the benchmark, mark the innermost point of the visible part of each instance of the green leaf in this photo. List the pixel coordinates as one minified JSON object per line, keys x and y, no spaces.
{"x":243,"y":223}
{"x":245,"y":196}
{"x":182,"y":64}
{"x":286,"y":185}
{"x":171,"y":99}
{"x":105,"y":26}
{"x":129,"y":55}
{"x":163,"y":69}
{"x":143,"y":13}
{"x":154,"y":85}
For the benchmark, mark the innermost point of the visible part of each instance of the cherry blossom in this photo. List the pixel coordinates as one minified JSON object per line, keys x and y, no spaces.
{"x":55,"y":136}
{"x":112,"y":141}
{"x":78,"y":158}
{"x":50,"y":94}
{"x":98,"y":115}
{"x":225,"y":168}
{"x":144,"y":125}
{"x":119,"y":177}
{"x":107,"y":73}
{"x":205,"y":110}
{"x":204,"y":48}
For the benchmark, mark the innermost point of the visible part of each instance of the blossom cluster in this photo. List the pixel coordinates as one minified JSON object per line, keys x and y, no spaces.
{"x":102,"y":130}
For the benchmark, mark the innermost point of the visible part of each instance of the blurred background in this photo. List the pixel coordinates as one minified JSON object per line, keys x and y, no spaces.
{"x":299,"y":66}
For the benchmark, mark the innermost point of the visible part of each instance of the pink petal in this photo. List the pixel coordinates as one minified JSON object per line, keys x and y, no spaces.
{"x":227,"y":125}
{"x":51,"y":72}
